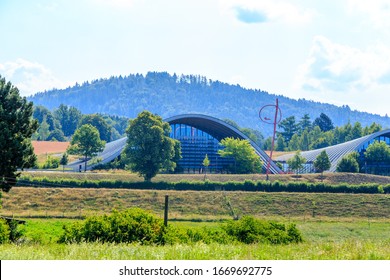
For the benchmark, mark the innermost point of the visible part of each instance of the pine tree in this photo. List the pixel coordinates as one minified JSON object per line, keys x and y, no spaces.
{"x":17,"y":127}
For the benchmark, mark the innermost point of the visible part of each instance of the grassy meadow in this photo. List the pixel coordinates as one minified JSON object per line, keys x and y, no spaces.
{"x":326,"y":240}
{"x":334,"y":226}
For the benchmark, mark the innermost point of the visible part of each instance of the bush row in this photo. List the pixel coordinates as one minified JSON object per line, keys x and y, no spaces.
{"x":138,"y":226}
{"x":247,"y":185}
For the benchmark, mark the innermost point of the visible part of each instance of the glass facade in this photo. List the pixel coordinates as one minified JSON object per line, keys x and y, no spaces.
{"x":378,"y":168}
{"x":195,"y":144}
{"x":381,"y":138}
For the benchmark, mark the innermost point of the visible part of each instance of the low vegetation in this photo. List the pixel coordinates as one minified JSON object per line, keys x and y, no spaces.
{"x":207,"y":185}
{"x":138,"y":226}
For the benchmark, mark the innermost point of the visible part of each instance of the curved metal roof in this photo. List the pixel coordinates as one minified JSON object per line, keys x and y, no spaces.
{"x":337,"y":152}
{"x":219,"y":130}
{"x":213,"y":126}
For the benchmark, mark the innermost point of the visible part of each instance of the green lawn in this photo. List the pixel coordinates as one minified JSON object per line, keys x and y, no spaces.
{"x":334,"y":240}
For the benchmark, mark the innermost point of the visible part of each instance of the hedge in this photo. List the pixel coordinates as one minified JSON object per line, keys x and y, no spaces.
{"x":247,"y":185}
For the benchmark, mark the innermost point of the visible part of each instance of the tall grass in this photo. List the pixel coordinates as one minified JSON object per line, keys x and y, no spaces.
{"x":342,"y":250}
{"x":326,"y":240}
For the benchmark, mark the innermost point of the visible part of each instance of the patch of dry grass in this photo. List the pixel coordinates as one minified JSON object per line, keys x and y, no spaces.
{"x":58,"y":202}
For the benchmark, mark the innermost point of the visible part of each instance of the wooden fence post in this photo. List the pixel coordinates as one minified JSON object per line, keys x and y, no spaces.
{"x":166,"y":211}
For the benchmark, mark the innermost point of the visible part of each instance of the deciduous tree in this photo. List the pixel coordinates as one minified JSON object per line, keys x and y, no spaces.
{"x":246,"y":160}
{"x":296,"y":162}
{"x":322,"y":162}
{"x":86,"y":141}
{"x":149,"y":148}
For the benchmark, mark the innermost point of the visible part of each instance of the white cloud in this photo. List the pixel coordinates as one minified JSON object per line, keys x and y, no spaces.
{"x":378,"y":11}
{"x":336,"y":67}
{"x":267,"y":10}
{"x":121,"y":4}
{"x":29,"y":77}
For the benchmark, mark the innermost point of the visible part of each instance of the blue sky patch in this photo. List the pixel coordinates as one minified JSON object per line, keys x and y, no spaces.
{"x":250,"y":16}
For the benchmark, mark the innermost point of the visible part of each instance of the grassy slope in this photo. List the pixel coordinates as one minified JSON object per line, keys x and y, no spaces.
{"x":29,"y":201}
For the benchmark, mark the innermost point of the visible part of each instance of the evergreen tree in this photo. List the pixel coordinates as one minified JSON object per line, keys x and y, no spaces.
{"x":43,"y":130}
{"x":305,"y":143}
{"x":357,"y":131}
{"x":304,"y":124}
{"x":68,"y":117}
{"x":324,"y":122}
{"x":294,"y":143}
{"x":289,"y":127}
{"x":17,"y":127}
{"x":280,"y":144}
{"x":64,"y":161}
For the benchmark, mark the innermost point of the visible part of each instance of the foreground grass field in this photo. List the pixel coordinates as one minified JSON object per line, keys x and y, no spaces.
{"x":357,"y":240}
{"x":334,"y":226}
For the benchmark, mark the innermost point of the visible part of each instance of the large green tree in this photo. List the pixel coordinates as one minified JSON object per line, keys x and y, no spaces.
{"x":245,"y":158}
{"x":149,"y":148}
{"x":16,"y":128}
{"x":86,"y":141}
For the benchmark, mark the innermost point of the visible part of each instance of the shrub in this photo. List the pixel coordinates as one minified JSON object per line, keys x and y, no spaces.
{"x":4,"y":231}
{"x":250,"y":230}
{"x":51,"y":162}
{"x":132,"y":225}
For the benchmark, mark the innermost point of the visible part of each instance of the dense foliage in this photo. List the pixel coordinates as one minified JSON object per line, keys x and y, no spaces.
{"x":16,"y":129}
{"x":138,"y":226}
{"x":322,"y":162}
{"x":296,"y":162}
{"x":306,"y":135}
{"x":61,"y":123}
{"x":250,"y":230}
{"x":4,"y":231}
{"x":149,"y":148}
{"x":247,"y":185}
{"x":132,"y":225}
{"x":245,"y":159}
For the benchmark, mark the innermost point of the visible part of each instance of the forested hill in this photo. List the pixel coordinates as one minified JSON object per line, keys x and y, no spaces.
{"x":169,"y":95}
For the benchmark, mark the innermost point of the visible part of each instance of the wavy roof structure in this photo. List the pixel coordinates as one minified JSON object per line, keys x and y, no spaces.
{"x":213,"y":126}
{"x":337,"y":152}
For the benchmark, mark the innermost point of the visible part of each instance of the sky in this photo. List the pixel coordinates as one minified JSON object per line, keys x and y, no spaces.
{"x":335,"y":51}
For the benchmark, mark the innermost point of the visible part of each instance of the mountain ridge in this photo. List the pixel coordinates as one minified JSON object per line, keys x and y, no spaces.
{"x":169,"y":95}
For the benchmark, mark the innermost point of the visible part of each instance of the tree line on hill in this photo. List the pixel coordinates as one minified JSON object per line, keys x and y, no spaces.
{"x":169,"y":95}
{"x":306,"y":135}
{"x":61,"y":123}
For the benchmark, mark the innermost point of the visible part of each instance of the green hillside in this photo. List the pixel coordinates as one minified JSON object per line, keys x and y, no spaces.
{"x":169,"y":95}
